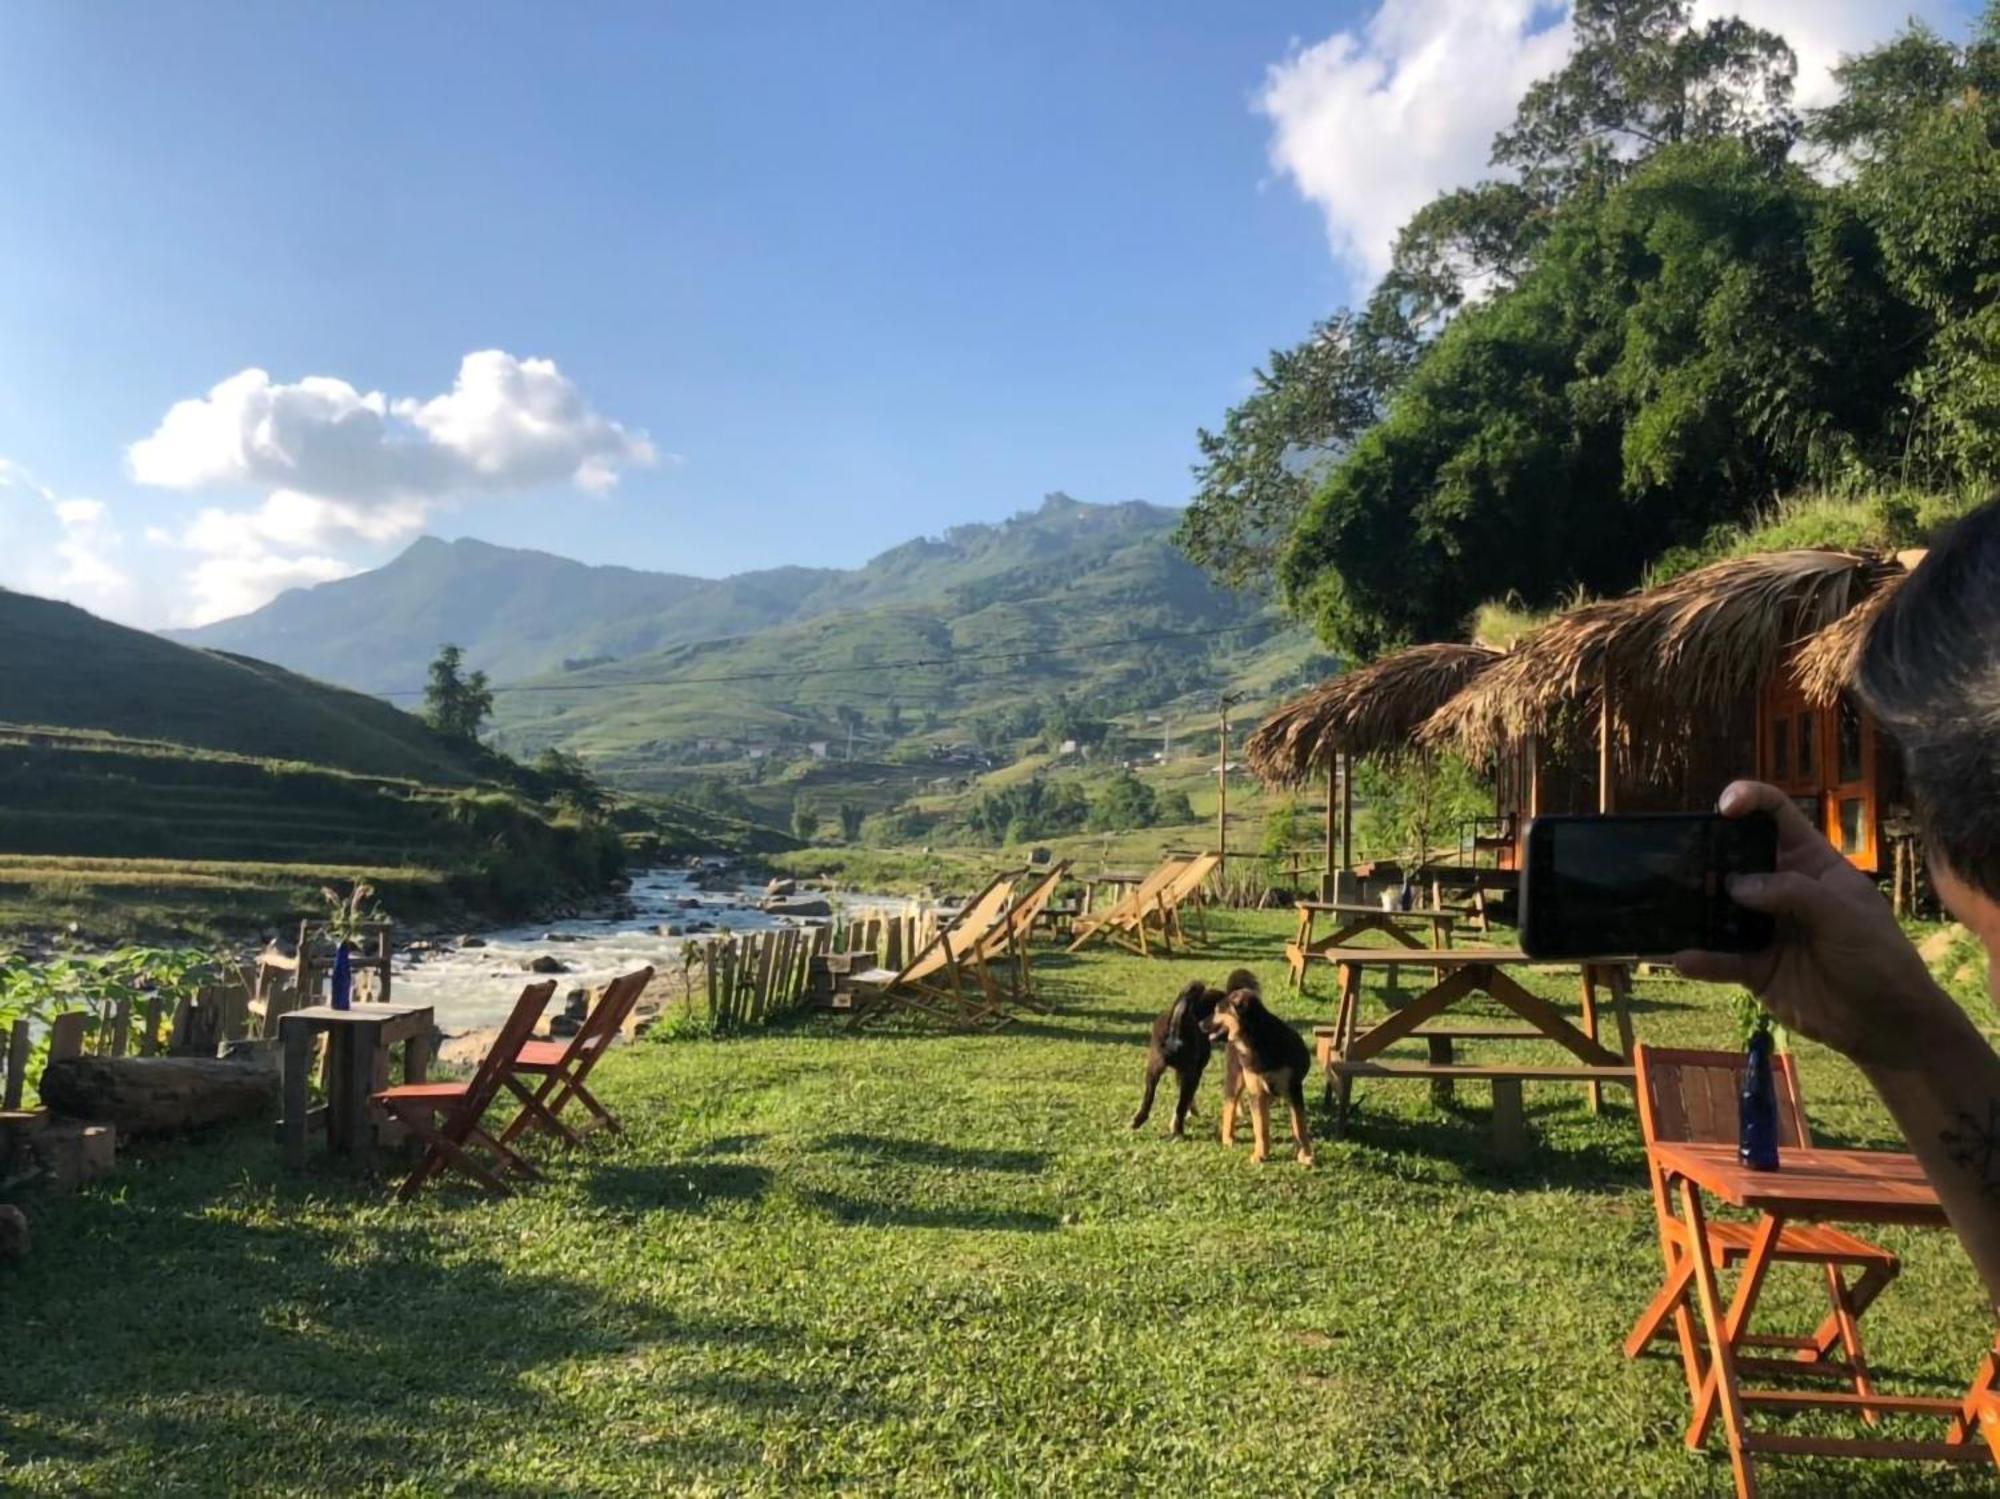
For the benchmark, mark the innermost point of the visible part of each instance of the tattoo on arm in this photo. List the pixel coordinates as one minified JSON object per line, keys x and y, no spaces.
{"x":1976,"y":1146}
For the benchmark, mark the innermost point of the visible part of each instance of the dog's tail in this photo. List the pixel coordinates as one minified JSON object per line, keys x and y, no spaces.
{"x":1177,"y":1016}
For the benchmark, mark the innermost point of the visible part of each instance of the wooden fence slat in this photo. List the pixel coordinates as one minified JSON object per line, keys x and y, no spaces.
{"x":17,"y":1066}
{"x":66,"y":1035}
{"x":149,"y":1025}
{"x":121,"y":1027}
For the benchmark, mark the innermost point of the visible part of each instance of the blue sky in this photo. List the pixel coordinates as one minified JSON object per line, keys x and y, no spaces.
{"x":745,"y":284}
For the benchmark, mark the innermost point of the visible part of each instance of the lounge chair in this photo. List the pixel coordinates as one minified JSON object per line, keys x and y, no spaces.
{"x":1006,"y":948}
{"x":446,"y":1116}
{"x":934,"y":980}
{"x":1115,"y":916}
{"x":1154,"y":906}
{"x":1690,"y":1097}
{"x":563,"y":1066}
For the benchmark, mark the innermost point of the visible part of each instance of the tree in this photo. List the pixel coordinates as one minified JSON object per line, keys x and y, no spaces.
{"x":851,"y":817}
{"x":456,"y":703}
{"x":1643,"y":77}
{"x":805,"y":821}
{"x":1123,"y":802}
{"x":570,"y":782}
{"x":1257,"y":473}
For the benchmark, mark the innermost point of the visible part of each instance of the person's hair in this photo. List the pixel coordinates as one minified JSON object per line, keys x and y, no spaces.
{"x":1930,"y":673}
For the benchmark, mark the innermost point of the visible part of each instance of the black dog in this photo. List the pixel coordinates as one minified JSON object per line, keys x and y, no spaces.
{"x":1180,"y":1041}
{"x":1265,"y":1057}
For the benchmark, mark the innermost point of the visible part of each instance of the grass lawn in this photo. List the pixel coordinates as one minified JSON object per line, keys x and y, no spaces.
{"x":929,"y":1264}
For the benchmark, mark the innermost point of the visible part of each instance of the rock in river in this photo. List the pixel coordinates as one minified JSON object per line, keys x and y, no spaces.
{"x":543,"y":964}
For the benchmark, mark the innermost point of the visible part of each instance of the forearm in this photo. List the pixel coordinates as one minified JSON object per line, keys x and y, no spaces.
{"x":1944,"y":1091}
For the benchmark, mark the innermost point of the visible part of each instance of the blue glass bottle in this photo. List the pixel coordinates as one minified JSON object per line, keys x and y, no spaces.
{"x":1757,"y":1106}
{"x":343,"y":978}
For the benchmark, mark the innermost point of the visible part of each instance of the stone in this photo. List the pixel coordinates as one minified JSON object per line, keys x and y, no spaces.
{"x":471,"y":941}
{"x":782,"y":886}
{"x":562,"y":1026}
{"x":669,"y":929}
{"x":72,"y":1153}
{"x":561,"y":937}
{"x":804,"y":905}
{"x":1938,"y":945}
{"x":543,"y":963}
{"x":14,"y":1240}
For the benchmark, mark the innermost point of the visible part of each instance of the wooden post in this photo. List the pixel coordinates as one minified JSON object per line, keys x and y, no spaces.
{"x":17,"y":1067}
{"x":1222,"y":797}
{"x":1606,"y":799}
{"x":121,"y":1027}
{"x":1328,"y":884}
{"x":1346,"y":812}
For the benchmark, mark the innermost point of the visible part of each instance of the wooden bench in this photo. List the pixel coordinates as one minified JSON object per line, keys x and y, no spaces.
{"x":1510,"y":1129}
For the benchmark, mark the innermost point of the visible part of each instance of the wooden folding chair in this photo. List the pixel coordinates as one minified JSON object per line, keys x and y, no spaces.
{"x":446,"y":1116}
{"x":1691,"y":1097}
{"x":1128,"y":914}
{"x":1005,"y":948}
{"x":933,"y":981}
{"x":563,"y":1066}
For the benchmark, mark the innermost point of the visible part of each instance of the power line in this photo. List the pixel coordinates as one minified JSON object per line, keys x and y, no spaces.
{"x":871,"y":666}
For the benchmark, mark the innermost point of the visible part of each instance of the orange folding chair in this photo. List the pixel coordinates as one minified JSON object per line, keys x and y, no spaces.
{"x":446,"y":1116}
{"x":1690,"y":1097}
{"x":562,"y":1067}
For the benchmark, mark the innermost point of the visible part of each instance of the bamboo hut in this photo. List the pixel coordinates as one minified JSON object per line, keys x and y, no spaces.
{"x":1655,"y":701}
{"x":1372,"y":710}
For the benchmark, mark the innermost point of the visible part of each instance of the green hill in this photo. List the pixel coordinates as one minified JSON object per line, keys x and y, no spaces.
{"x":147,"y":788}
{"x":66,"y":668}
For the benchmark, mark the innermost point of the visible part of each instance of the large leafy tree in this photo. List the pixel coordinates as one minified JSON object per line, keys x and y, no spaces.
{"x":1669,"y":352}
{"x":456,"y":702}
{"x":1643,"y":76}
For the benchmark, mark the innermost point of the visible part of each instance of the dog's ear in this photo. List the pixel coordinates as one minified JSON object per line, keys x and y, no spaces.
{"x":1247,"y":1001}
{"x":1240,"y":978}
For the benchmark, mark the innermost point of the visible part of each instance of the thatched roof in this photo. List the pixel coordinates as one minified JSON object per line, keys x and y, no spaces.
{"x":1827,"y":662}
{"x":1372,"y":710}
{"x":1688,"y":648}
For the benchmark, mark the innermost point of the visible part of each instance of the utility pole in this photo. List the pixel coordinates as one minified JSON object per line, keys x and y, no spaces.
{"x":1222,"y":786}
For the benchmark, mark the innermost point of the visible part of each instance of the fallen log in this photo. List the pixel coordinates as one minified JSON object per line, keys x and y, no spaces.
{"x":161,"y":1095}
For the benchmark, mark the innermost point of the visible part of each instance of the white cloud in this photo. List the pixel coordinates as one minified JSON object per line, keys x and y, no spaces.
{"x":74,"y":552}
{"x":1370,"y":124}
{"x":342,"y":467}
{"x":223,"y":587}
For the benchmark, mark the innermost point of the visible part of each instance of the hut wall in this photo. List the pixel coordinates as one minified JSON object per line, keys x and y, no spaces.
{"x":1833,"y":761}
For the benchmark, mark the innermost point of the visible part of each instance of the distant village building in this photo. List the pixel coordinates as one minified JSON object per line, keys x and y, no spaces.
{"x":818,"y":748}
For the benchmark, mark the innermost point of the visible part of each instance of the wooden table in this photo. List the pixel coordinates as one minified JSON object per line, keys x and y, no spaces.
{"x":1477,"y":879}
{"x":1354,"y":919}
{"x":358,"y":1043}
{"x":1346,"y":1053}
{"x":1815,"y":1186}
{"x":1119,"y":882}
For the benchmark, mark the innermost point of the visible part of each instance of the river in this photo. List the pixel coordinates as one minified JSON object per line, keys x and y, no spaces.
{"x":472,"y":986}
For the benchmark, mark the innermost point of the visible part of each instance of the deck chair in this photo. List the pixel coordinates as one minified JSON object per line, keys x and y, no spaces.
{"x":446,"y":1116}
{"x":563,"y":1066}
{"x":1690,"y":1097}
{"x":934,"y":981}
{"x":1123,"y":914}
{"x":1006,"y":947}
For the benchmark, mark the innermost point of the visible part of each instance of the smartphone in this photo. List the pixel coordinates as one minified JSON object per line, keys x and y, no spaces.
{"x":1643,"y":886}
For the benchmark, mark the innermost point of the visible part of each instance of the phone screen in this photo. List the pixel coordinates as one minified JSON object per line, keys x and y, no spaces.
{"x":1642,"y":886}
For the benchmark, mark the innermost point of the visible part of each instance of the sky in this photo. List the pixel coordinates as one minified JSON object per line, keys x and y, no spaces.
{"x":692,"y":287}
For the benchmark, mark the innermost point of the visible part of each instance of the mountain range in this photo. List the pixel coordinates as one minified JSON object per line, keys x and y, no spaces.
{"x":634,"y":668}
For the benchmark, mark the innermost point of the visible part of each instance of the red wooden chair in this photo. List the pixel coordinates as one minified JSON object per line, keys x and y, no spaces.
{"x":446,"y":1116}
{"x":1690,"y":1097}
{"x":563,"y":1067}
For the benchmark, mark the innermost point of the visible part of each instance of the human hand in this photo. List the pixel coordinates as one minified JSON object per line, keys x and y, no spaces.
{"x":1840,"y":970}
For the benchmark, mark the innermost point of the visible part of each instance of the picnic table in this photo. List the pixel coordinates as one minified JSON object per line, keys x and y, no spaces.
{"x":1354,"y":919}
{"x":1476,"y":880}
{"x":1119,"y":881}
{"x":1345,"y":1052}
{"x":1813,"y":1186}
{"x":359,"y":1040}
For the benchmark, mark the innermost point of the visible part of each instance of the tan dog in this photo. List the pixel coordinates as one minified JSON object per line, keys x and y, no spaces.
{"x":1265,"y":1056}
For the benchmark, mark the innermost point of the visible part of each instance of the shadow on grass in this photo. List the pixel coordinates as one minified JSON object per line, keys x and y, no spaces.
{"x":1462,"y":1137}
{"x":686,"y":1187}
{"x":860,"y":1212}
{"x":311,"y":1353}
{"x":933,"y":1153}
